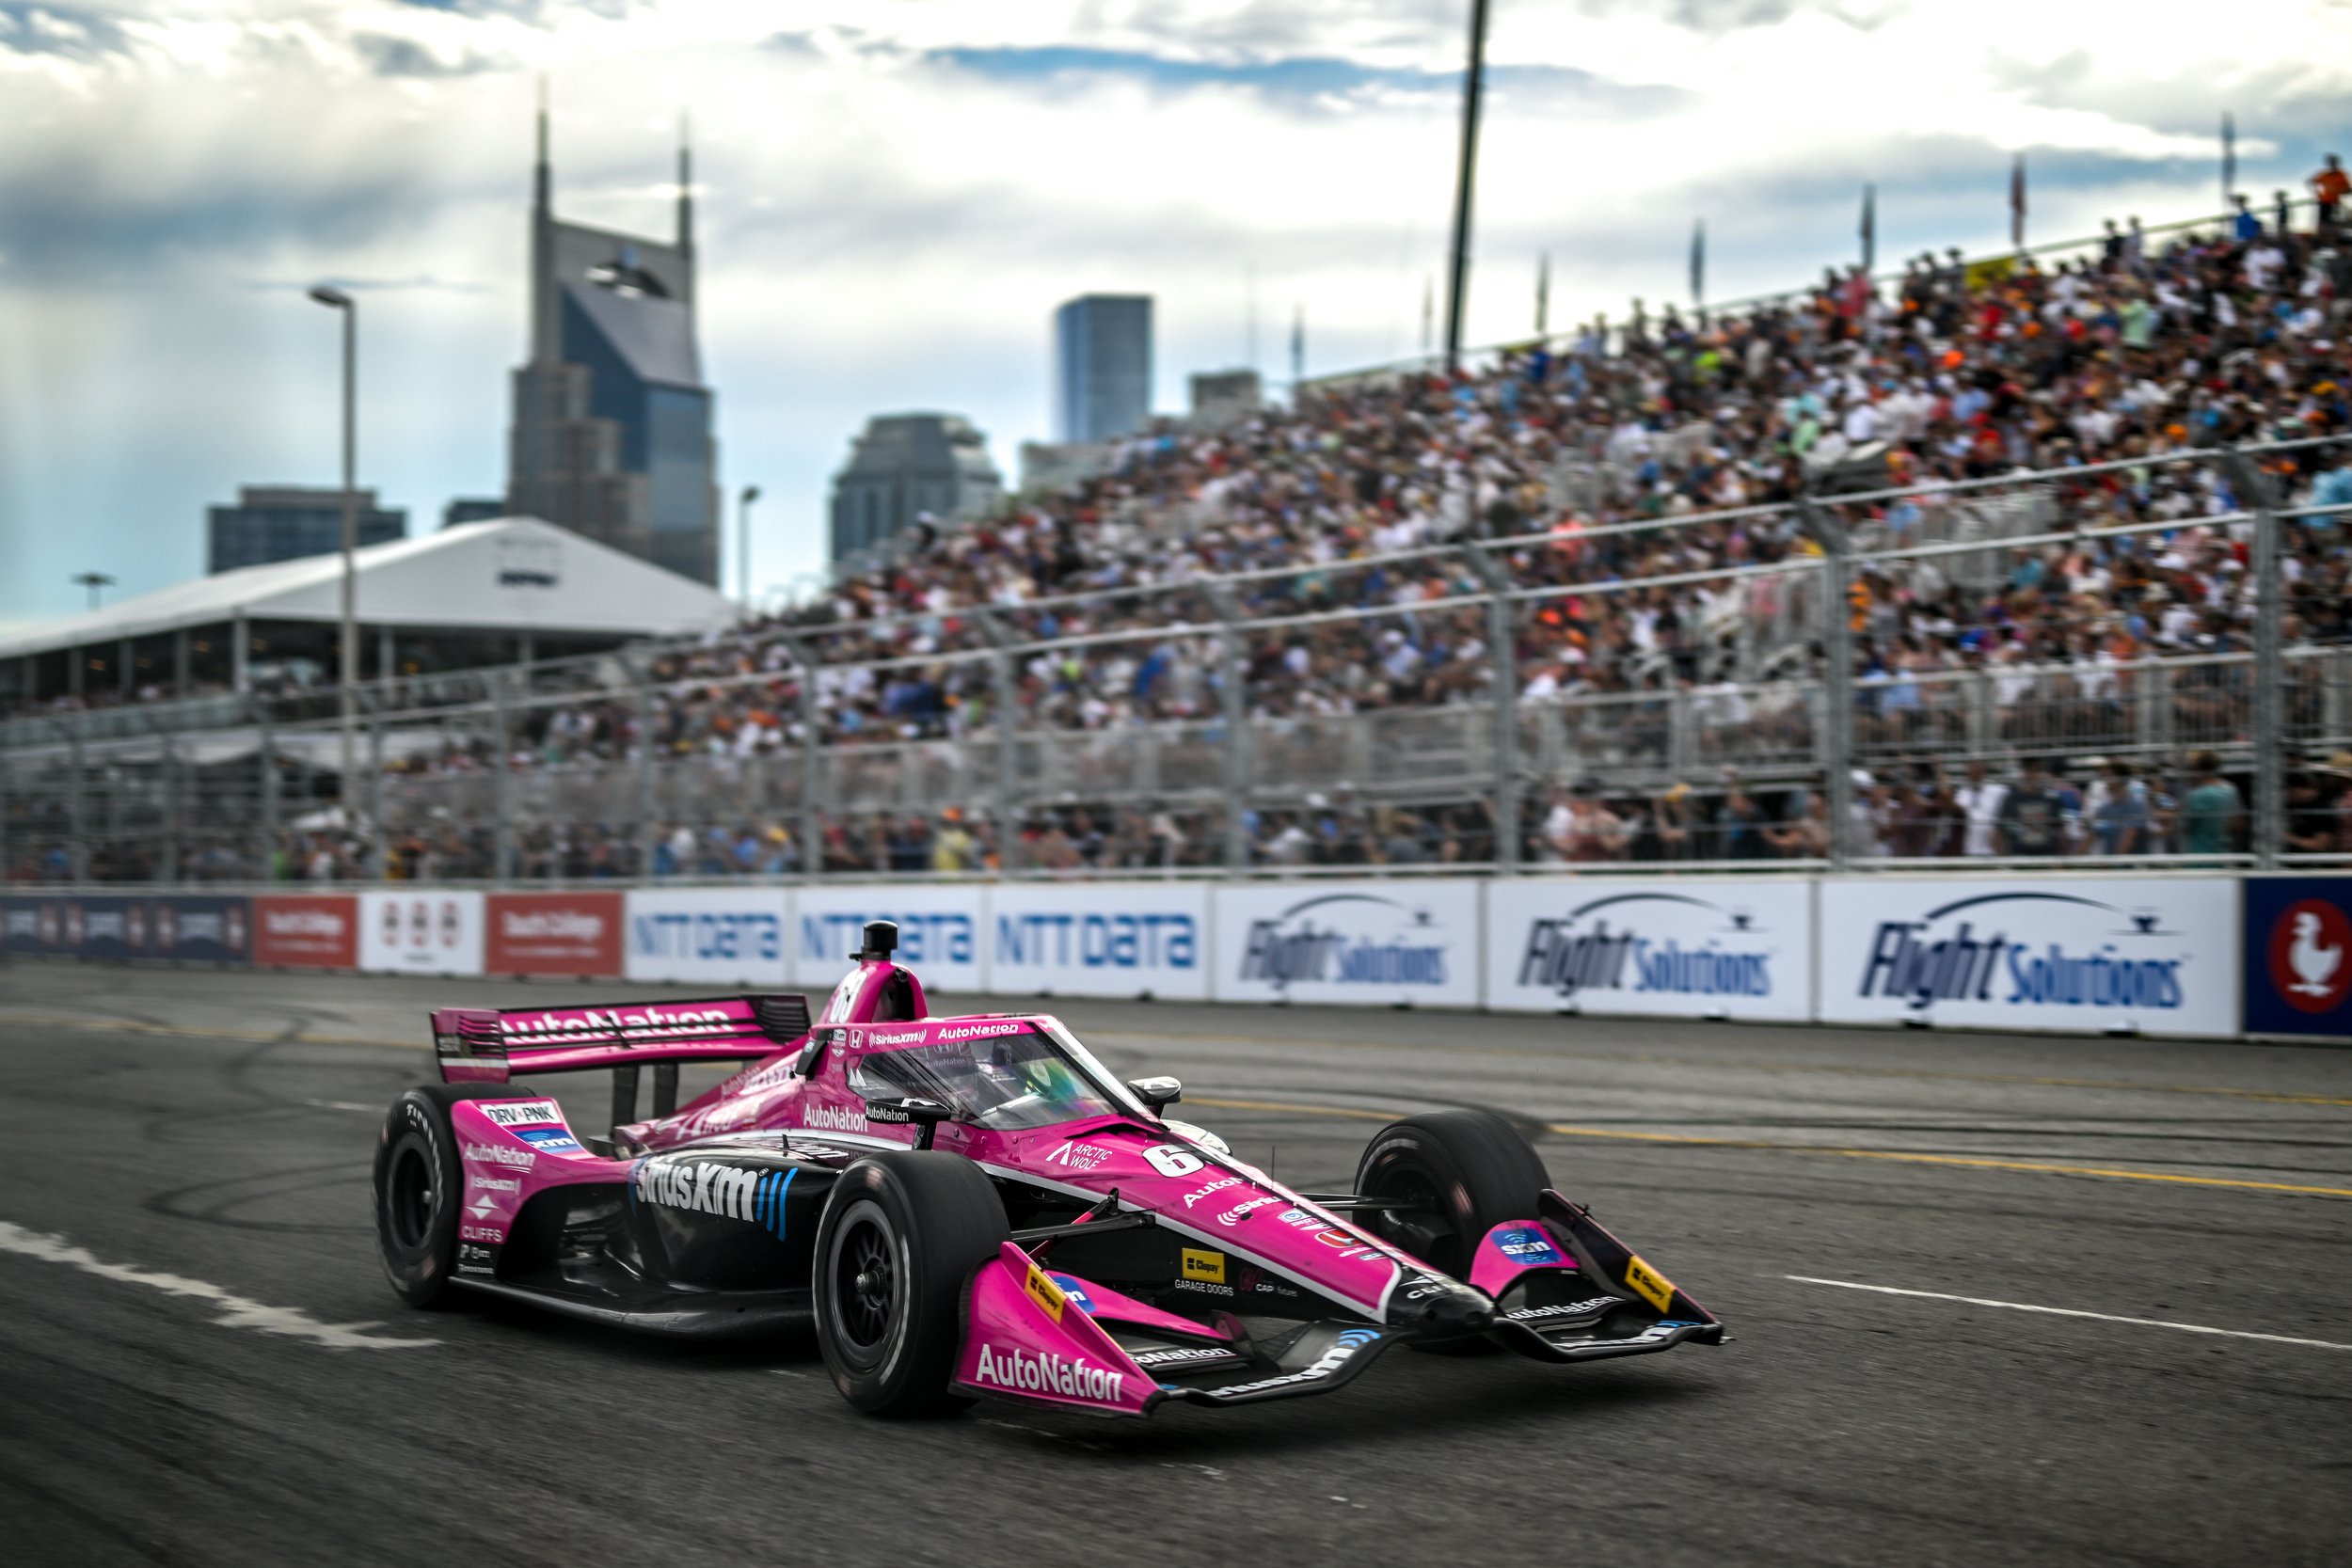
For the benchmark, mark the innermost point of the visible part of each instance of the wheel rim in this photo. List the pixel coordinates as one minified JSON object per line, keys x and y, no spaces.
{"x":865,"y":1286}
{"x":1421,"y":1223}
{"x":409,"y":1198}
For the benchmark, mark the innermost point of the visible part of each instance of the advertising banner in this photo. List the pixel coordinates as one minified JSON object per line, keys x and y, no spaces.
{"x":201,"y":929}
{"x":22,"y":922}
{"x":553,"y":933}
{"x":1099,"y":938}
{"x":306,"y":930}
{"x":939,"y":933}
{"x":421,"y":933}
{"x":714,"y":936}
{"x":2298,"y":956}
{"x":2158,"y":955}
{"x":1736,"y":948}
{"x":1374,"y":943}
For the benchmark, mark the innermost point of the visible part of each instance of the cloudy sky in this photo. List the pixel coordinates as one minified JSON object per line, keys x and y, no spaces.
{"x":894,"y":194}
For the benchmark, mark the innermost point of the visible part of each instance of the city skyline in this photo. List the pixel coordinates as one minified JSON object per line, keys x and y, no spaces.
{"x":894,"y":204}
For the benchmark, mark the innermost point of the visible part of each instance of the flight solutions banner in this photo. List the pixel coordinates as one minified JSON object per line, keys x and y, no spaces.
{"x":1659,"y":948}
{"x":1402,"y":942}
{"x":2158,"y":955}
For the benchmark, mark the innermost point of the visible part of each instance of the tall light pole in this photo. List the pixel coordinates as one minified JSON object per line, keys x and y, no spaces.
{"x":335,"y":299}
{"x":93,"y":582}
{"x":1457,"y":279}
{"x":743,"y":541}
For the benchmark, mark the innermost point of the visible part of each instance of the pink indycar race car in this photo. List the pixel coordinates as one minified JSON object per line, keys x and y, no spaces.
{"x":975,"y":1206}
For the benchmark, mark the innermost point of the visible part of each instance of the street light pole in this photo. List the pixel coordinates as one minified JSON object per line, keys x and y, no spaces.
{"x":743,"y":541}
{"x":336,"y":299}
{"x":93,"y":582}
{"x":1458,"y":281}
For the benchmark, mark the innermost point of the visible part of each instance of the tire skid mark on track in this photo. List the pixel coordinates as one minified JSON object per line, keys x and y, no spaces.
{"x":235,"y":1311}
{"x":175,"y":1204}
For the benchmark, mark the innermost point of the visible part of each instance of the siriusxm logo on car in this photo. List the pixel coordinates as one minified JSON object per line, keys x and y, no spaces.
{"x":1569,"y":956}
{"x":1935,"y":959}
{"x":1346,"y":939}
{"x":1155,"y":940}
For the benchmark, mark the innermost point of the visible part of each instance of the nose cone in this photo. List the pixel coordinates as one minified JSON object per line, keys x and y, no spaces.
{"x":1438,"y":1307}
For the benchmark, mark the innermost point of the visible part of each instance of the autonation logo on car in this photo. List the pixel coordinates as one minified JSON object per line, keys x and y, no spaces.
{"x":1357,"y":943}
{"x":2157,"y":954}
{"x":1698,"y":950}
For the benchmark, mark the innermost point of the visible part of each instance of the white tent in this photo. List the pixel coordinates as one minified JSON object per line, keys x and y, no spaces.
{"x":507,"y":576}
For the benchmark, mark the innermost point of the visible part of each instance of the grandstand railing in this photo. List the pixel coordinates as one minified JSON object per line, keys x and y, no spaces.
{"x":499,"y":774}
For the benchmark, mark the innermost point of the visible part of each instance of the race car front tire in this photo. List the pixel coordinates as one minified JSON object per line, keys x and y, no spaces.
{"x":418,"y":1184}
{"x":902,"y":1235}
{"x":1457,"y":1175}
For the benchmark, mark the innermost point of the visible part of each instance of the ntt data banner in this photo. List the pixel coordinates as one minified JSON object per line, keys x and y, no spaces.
{"x":713,"y":935}
{"x":1671,"y":949}
{"x":2158,"y":955}
{"x":1096,"y":939}
{"x":1381,"y":942}
{"x":421,"y":933}
{"x":939,"y":933}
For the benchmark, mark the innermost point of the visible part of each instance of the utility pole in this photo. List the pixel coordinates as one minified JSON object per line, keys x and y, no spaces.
{"x":335,"y":299}
{"x":1473,"y":89}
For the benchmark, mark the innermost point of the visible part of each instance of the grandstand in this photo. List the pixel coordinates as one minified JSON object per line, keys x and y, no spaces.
{"x":1764,"y":585}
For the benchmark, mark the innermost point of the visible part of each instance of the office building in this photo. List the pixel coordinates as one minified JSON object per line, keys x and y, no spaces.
{"x":1102,"y":367}
{"x":611,"y":432}
{"x":282,"y":522}
{"x":905,"y":467}
{"x":472,"y":509}
{"x":1053,"y":469}
{"x":1223,"y":398}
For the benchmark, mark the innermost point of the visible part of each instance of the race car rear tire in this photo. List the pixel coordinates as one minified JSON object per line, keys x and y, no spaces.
{"x":418,"y":1185}
{"x":1464,"y":1172}
{"x":903,"y":1233}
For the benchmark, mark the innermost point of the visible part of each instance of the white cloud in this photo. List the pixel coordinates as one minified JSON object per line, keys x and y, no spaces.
{"x":895,"y":197}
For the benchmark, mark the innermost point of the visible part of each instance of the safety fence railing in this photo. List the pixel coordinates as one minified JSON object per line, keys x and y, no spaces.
{"x":1449,"y":705}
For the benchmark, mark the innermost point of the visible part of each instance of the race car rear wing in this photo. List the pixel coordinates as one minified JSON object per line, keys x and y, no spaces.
{"x":483,"y":1045}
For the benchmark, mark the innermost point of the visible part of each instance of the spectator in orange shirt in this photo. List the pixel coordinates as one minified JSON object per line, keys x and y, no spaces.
{"x":2330,"y":186}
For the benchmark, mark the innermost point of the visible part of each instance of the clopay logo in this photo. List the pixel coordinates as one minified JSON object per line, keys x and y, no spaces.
{"x":1940,"y":959}
{"x":1582,"y":951}
{"x":1349,"y":939}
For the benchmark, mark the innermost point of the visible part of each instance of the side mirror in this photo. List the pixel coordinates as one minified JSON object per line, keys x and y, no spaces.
{"x":924,"y":1115}
{"x":1156,"y":1092}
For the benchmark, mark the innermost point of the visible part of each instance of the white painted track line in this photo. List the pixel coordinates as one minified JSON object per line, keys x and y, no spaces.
{"x":235,"y":1310}
{"x":2069,"y":1312}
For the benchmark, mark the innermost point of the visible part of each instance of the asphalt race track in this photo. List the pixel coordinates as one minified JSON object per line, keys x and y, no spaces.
{"x":200,"y":1362}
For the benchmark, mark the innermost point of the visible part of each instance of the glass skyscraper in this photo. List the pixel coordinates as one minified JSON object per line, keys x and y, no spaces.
{"x":281,"y":522}
{"x":611,"y":434}
{"x":1102,"y":367}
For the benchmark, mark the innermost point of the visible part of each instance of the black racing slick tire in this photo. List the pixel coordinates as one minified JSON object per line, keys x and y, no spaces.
{"x":903,"y":1233}
{"x":418,"y":1190}
{"x":1457,"y":1175}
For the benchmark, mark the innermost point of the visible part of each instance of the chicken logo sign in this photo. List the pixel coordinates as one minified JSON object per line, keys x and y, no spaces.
{"x":2308,"y":942}
{"x":2298,"y":952}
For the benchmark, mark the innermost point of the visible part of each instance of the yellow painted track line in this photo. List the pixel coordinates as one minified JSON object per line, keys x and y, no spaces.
{"x":1826,"y":1069}
{"x":1766,"y":1145}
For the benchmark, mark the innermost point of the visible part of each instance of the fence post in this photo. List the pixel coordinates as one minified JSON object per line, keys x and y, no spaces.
{"x":378,"y":848}
{"x":76,"y":827}
{"x":1004,"y":699}
{"x":1234,"y":707}
{"x":170,"y":781}
{"x":1837,"y":678}
{"x":1504,"y":677}
{"x":812,"y":763}
{"x":501,"y":786}
{"x":641,"y":764}
{"x":265,"y":784}
{"x":2269,"y":728}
